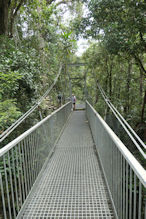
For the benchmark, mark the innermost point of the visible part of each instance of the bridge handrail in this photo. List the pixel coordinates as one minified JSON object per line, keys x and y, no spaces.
{"x":124,"y":175}
{"x":131,"y":133}
{"x":26,"y":114}
{"x":10,"y":145}
{"x":23,"y":159}
{"x":136,"y":166}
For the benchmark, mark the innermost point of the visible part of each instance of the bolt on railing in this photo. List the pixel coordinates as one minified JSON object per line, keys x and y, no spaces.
{"x":22,"y":159}
{"x":124,"y":175}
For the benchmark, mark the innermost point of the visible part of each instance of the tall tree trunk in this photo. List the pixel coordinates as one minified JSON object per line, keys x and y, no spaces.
{"x":13,"y":15}
{"x":85,"y":84}
{"x":4,"y":17}
{"x":141,"y":85}
{"x":96,"y":87}
{"x":110,"y":82}
{"x":110,"y":78}
{"x":128,"y":87}
{"x":143,"y":107}
{"x":139,"y":63}
{"x":40,"y":39}
{"x":96,"y":94}
{"x":107,"y":77}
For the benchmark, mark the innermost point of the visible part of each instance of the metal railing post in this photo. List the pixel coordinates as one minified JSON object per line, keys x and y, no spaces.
{"x":22,"y":159}
{"x":124,"y":175}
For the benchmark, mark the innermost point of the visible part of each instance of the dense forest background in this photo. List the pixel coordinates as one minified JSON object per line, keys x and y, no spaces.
{"x":35,"y":37}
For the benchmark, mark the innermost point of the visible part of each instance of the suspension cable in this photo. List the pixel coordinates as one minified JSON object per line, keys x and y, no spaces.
{"x":122,"y":118}
{"x":25,"y":115}
{"x":124,"y":123}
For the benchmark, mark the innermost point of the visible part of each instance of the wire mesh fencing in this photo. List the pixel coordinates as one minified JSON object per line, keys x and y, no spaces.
{"x":124,"y":175}
{"x":22,"y":160}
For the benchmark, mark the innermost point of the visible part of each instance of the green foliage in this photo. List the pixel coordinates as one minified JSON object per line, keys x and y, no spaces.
{"x":121,"y":20}
{"x":19,"y":69}
{"x":8,"y":83}
{"x":31,"y":58}
{"x":8,"y":114}
{"x":120,"y":80}
{"x":120,"y":25}
{"x":117,"y":59}
{"x":67,"y":42}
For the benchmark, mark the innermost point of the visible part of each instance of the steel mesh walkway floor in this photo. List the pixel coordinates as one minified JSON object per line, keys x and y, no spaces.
{"x":72,"y":184}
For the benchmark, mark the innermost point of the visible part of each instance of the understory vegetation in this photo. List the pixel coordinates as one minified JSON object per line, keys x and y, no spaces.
{"x":35,"y":38}
{"x":38,"y":36}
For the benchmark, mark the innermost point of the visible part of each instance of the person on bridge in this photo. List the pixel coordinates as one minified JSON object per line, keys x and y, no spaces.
{"x":74,"y":101}
{"x":59,"y":99}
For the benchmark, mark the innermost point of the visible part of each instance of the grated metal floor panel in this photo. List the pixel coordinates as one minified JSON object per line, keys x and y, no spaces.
{"x":72,"y":184}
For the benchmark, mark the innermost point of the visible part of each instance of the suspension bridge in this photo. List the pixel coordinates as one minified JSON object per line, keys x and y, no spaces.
{"x":71,"y":165}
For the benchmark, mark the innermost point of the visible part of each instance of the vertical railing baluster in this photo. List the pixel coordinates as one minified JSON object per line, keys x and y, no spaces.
{"x":119,"y":180}
{"x":41,"y":151}
{"x":32,"y":158}
{"x":33,"y":179}
{"x":11,"y":185}
{"x":111,"y":166}
{"x":21,"y":172}
{"x":144,"y":207}
{"x":34,"y":154}
{"x":3,"y":197}
{"x":121,"y":185}
{"x":52,"y":127}
{"x":24,"y":168}
{"x":35,"y":145}
{"x":37,"y":153}
{"x":113,"y":189}
{"x":18,"y":175}
{"x":127,"y":191}
{"x":124,"y":189}
{"x":113,"y":173}
{"x":15,"y":180}
{"x":7,"y":187}
{"x":38,"y":156}
{"x":139,"y":201}
{"x":135,"y":190}
{"x":27,"y":163}
{"x":130,"y":196}
{"x":29,"y":160}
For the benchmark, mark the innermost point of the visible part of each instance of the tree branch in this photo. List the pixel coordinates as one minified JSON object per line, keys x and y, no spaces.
{"x":142,"y":40}
{"x":9,"y":3}
{"x":139,"y":62}
{"x":13,"y":15}
{"x":143,"y":107}
{"x":62,"y":2}
{"x":49,"y":2}
{"x":18,"y":7}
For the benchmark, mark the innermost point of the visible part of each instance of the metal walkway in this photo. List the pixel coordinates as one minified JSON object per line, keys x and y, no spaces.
{"x":72,"y":184}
